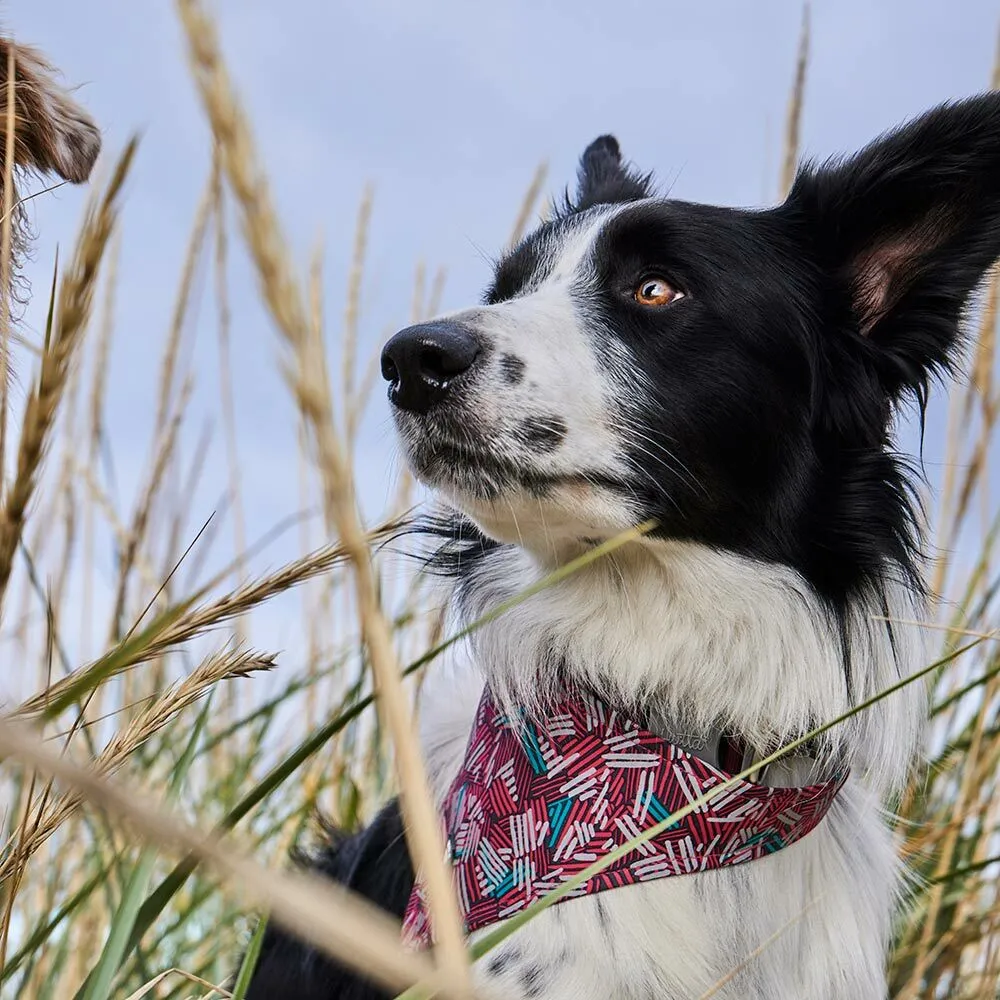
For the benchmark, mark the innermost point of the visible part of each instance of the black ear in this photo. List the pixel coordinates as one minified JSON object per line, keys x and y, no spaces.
{"x":908,"y":228}
{"x":603,"y":178}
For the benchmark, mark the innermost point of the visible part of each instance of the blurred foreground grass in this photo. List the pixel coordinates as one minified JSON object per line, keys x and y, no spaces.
{"x":92,"y":907}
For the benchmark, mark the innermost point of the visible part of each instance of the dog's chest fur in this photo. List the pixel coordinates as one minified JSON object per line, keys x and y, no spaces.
{"x":701,"y":640}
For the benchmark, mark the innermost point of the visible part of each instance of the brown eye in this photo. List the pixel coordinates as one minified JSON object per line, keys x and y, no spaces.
{"x":656,"y":291}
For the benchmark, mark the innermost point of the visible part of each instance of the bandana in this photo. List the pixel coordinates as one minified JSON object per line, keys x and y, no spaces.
{"x":537,"y":802}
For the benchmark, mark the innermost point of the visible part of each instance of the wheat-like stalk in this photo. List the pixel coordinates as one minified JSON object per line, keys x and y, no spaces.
{"x":307,"y":375}
{"x":352,"y":314}
{"x":75,"y":299}
{"x":150,"y":710}
{"x":153,"y":717}
{"x":529,"y":204}
{"x":6,"y":256}
{"x":333,"y":920}
{"x":796,"y":102}
{"x":194,"y":621}
{"x":226,"y":394}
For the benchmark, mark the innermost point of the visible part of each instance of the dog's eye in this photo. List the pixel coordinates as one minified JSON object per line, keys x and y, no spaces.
{"x":656,"y":291}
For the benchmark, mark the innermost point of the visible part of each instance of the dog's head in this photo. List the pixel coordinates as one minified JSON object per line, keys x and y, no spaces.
{"x":52,"y":133}
{"x":731,"y":374}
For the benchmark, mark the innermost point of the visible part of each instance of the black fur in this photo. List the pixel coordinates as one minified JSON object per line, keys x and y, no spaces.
{"x":374,"y":863}
{"x":770,"y":387}
{"x":776,"y":380}
{"x":603,"y":179}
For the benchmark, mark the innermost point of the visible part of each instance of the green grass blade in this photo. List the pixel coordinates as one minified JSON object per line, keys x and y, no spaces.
{"x":98,"y":984}
{"x":41,"y":935}
{"x":249,"y":962}
{"x":172,"y":882}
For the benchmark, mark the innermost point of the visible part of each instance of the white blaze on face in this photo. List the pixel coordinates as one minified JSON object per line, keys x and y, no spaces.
{"x":543,"y":404}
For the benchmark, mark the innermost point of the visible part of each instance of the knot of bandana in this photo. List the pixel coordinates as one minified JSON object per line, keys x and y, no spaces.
{"x":537,"y":802}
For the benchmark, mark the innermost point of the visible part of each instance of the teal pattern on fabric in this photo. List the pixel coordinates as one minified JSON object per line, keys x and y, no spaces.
{"x":558,"y":814}
{"x":533,"y":749}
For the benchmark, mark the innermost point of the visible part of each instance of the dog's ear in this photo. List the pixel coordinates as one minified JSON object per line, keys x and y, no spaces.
{"x":52,"y":133}
{"x":907,"y":228}
{"x":603,"y":178}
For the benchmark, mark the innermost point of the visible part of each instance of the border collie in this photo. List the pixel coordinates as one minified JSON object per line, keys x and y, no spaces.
{"x":734,"y":377}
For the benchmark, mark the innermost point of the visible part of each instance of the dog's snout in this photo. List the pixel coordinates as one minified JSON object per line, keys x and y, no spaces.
{"x":422,"y":362}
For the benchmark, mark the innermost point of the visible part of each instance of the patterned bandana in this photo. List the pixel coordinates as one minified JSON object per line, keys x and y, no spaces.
{"x":536,"y":803}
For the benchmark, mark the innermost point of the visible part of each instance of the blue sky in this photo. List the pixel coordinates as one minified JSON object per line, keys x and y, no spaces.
{"x":447,"y":108}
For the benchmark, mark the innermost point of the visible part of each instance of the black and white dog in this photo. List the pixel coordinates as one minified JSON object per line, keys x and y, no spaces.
{"x":733,"y":376}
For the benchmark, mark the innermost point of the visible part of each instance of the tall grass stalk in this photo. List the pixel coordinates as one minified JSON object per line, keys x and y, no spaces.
{"x":154,"y":785}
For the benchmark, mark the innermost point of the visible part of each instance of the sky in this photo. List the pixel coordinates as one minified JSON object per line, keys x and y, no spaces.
{"x":446,"y":107}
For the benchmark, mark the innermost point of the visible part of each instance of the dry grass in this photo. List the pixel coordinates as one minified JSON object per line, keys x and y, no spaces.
{"x":154,"y":734}
{"x":308,"y":376}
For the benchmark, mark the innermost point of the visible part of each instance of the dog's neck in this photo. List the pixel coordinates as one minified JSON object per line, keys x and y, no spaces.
{"x":702,"y":642}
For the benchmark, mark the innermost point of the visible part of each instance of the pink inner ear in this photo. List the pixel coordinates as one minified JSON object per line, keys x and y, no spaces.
{"x":883,"y":272}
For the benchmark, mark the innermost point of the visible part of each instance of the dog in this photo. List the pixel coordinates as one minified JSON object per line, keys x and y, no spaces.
{"x":53,"y":134}
{"x":732,"y":377}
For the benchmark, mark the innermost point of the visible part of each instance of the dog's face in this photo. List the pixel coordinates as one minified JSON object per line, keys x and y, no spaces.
{"x":729,"y":374}
{"x":622,"y":368}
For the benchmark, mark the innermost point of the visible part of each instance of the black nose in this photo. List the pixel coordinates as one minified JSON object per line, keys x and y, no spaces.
{"x":421,"y":362}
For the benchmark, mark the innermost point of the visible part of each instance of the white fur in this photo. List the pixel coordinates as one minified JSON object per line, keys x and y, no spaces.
{"x":704,"y":638}
{"x":565,"y":378}
{"x":703,"y":641}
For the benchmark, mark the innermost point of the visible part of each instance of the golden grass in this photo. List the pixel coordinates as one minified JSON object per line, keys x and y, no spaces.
{"x":150,"y":718}
{"x":338,"y":923}
{"x":62,"y":340}
{"x":6,"y":248}
{"x":156,"y":734}
{"x":308,"y":376}
{"x":528,"y":206}
{"x":796,"y":102}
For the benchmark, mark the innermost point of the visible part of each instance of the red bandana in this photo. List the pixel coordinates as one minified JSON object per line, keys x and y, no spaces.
{"x":536,"y":803}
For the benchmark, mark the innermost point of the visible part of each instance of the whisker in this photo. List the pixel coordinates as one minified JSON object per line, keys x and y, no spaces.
{"x":674,"y":465}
